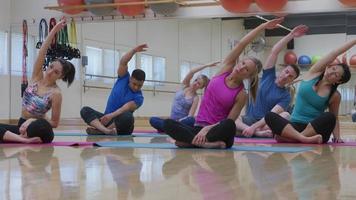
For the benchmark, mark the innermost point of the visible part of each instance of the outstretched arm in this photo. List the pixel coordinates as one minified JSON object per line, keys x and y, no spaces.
{"x":272,"y":58}
{"x":321,"y":65}
{"x":234,"y":55}
{"x":189,"y":76}
{"x":37,"y":69}
{"x":123,"y":65}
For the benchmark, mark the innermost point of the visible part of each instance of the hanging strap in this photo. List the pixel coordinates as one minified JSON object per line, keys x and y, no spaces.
{"x":62,"y":37}
{"x":72,"y":33}
{"x":52,"y":23}
{"x":24,"y":56}
{"x":43,"y":29}
{"x":42,"y":32}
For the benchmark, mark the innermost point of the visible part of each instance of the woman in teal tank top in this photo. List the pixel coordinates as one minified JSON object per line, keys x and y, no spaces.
{"x":317,"y":92}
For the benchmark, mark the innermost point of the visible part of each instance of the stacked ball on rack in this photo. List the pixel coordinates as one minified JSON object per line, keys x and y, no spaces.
{"x":130,"y":7}
{"x":237,"y":6}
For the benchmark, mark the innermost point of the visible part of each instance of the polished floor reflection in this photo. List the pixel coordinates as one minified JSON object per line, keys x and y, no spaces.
{"x":34,"y":172}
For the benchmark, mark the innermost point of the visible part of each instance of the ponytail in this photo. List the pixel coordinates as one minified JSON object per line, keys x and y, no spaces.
{"x":254,"y":86}
{"x":254,"y":79}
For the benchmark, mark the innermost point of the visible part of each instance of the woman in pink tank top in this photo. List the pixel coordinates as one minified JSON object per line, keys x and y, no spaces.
{"x":223,"y":99}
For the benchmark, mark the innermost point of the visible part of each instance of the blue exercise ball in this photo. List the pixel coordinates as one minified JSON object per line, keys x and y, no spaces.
{"x":100,"y":11}
{"x":164,"y":8}
{"x":304,"y":61}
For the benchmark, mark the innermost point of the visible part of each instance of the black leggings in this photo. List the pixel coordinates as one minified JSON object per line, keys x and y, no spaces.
{"x":323,"y":125}
{"x":224,"y":131}
{"x":124,"y":123}
{"x":12,"y":128}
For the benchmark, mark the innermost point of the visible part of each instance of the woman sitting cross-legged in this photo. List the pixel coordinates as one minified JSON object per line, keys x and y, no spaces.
{"x":222,"y":101}
{"x":317,"y":92}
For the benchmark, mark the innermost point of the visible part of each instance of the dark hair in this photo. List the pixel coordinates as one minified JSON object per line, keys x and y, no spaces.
{"x":139,"y":74}
{"x":68,"y":70}
{"x":344,"y":79}
{"x":296,"y":69}
{"x":41,"y":128}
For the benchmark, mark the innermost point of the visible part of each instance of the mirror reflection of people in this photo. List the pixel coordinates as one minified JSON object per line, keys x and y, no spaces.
{"x":124,"y":167}
{"x":316,"y":176}
{"x":38,"y":181}
{"x":210,"y":174}
{"x":271,"y":174}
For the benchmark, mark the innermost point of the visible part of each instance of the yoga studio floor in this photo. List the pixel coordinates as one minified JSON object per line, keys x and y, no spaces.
{"x":147,"y":167}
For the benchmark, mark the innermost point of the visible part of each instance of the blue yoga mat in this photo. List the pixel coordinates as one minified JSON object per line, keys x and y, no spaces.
{"x":123,"y":144}
{"x":133,"y":134}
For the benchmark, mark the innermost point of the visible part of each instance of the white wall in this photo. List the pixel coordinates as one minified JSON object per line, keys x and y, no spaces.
{"x":197,"y":40}
{"x":4,"y":80}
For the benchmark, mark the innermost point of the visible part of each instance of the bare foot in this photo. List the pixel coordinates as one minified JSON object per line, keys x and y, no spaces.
{"x":214,"y":145}
{"x":111,"y":132}
{"x":264,"y":133}
{"x":183,"y":144}
{"x":33,"y":140}
{"x":316,"y":139}
{"x":93,"y":131}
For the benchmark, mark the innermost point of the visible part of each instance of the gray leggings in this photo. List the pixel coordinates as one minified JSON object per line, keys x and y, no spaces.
{"x":124,"y":123}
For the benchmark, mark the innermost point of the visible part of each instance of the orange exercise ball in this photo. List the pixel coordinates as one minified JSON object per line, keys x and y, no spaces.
{"x":352,"y":62}
{"x":71,"y":3}
{"x":348,"y":2}
{"x":290,"y":58}
{"x":131,"y":10}
{"x":271,"y":5}
{"x":236,"y":6}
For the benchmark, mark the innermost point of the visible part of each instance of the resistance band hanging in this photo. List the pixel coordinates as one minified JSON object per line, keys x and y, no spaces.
{"x":42,"y":32}
{"x":24,"y":57}
{"x":72,"y":33}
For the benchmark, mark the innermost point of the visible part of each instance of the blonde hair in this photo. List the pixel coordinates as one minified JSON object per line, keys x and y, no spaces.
{"x":254,"y":78}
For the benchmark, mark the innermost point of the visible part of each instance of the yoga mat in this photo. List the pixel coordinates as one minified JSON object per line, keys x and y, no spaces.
{"x":255,"y":141}
{"x":137,"y":134}
{"x":122,"y":144}
{"x":51,"y":144}
{"x":273,"y":141}
{"x":145,"y":131}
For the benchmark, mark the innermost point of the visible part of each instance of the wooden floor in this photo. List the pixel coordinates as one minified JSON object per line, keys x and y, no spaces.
{"x":34,"y":172}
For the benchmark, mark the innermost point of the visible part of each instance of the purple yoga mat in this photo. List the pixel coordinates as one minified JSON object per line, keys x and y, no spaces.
{"x":273,"y":141}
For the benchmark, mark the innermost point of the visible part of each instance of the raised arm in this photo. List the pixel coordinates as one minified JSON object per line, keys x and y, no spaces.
{"x":234,"y":55}
{"x":189,"y":76}
{"x":123,"y":65}
{"x":277,"y":48}
{"x":37,"y":68}
{"x":321,"y":65}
